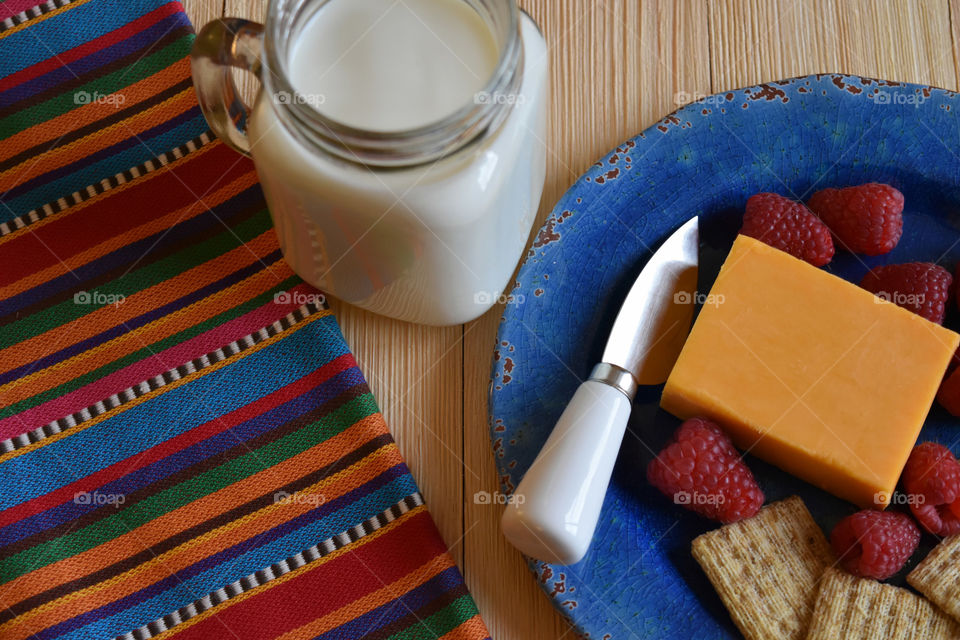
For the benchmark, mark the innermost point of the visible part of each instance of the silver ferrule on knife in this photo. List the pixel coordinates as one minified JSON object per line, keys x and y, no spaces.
{"x":617,"y":377}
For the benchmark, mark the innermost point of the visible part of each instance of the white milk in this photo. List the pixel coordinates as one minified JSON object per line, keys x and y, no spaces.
{"x":384,"y":65}
{"x":434,"y":243}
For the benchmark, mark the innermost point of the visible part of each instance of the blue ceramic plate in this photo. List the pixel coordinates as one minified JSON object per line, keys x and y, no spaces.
{"x":791,"y":137}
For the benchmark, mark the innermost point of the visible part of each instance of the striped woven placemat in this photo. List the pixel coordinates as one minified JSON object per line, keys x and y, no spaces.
{"x":187,"y":447}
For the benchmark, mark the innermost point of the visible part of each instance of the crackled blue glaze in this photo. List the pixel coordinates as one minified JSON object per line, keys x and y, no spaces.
{"x":791,"y":137}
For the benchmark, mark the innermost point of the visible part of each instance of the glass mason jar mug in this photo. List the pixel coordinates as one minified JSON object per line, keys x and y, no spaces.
{"x":399,"y":145}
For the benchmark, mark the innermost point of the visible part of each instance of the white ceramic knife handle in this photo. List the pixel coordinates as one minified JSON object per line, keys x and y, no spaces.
{"x":555,"y":508}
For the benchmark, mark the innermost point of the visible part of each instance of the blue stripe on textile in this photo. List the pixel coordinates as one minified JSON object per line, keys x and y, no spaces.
{"x":106,"y":163}
{"x":160,"y":470}
{"x":396,"y":609}
{"x":160,"y":132}
{"x":185,"y":591}
{"x":56,"y":34}
{"x":177,"y":410}
{"x":141,"y":40}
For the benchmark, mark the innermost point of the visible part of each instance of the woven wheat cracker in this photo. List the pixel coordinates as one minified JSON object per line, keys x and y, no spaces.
{"x":766,"y":569}
{"x":938,"y":576}
{"x":855,"y":608}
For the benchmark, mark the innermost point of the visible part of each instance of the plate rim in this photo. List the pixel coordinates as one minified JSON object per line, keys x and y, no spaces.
{"x":842,"y":82}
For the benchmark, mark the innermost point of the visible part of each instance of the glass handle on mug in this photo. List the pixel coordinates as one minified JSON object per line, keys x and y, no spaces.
{"x":220,"y":46}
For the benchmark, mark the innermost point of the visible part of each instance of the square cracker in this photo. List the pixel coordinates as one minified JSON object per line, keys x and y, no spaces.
{"x":855,"y":608}
{"x":767,"y":568}
{"x":938,"y":576}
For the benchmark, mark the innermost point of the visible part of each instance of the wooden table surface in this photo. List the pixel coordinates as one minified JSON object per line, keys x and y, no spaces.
{"x":615,"y":67}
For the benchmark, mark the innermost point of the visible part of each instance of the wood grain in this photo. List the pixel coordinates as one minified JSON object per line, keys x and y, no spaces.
{"x":616,"y":66}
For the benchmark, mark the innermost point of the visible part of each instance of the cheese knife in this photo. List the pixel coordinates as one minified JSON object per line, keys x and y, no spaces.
{"x":553,"y":512}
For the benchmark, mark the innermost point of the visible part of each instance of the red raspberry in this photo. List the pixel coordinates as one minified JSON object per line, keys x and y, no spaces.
{"x":701,"y":470}
{"x":931,"y":479}
{"x":789,"y":226}
{"x":865,"y":219}
{"x":949,"y":393}
{"x":921,"y":287}
{"x":875,"y":544}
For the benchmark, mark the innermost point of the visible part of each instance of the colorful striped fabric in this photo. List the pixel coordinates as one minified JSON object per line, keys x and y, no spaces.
{"x":187,"y":448}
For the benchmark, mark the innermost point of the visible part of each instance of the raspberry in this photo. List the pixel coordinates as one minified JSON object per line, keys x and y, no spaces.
{"x":789,"y":226}
{"x":866,"y":219}
{"x":701,"y":470}
{"x":921,"y":287}
{"x":949,"y":393}
{"x":931,"y":479}
{"x":875,"y":544}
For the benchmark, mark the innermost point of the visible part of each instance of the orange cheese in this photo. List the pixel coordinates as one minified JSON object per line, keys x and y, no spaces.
{"x":810,"y":372}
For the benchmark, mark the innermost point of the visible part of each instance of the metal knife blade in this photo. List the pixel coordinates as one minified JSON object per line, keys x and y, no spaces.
{"x":655,"y":318}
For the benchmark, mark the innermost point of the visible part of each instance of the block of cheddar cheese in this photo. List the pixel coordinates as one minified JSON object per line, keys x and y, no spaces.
{"x":810,"y":372}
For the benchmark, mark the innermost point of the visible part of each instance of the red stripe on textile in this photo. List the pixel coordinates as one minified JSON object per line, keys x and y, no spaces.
{"x":10,"y":8}
{"x":177,"y":443}
{"x":85,"y":49}
{"x":153,"y":365}
{"x":327,"y":587}
{"x":120,"y":211}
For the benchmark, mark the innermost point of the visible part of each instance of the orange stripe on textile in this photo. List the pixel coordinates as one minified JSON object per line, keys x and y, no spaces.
{"x":202,"y":547}
{"x":111,"y":315}
{"x":188,"y":516}
{"x":49,"y":132}
{"x":145,"y":336}
{"x":468,"y":630}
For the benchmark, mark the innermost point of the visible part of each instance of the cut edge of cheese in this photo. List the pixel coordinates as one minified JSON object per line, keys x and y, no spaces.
{"x":782,"y":453}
